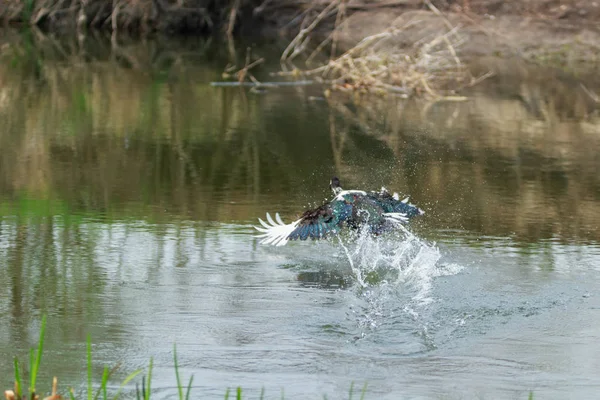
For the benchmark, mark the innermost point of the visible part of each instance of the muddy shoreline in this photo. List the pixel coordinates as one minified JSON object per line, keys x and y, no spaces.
{"x":541,"y":22}
{"x":548,"y":33}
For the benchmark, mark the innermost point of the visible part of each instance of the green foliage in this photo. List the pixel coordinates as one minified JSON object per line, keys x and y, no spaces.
{"x":147,"y":397}
{"x":36,"y":360}
{"x":363,"y":392}
{"x":18,"y":383}
{"x":179,"y":386}
{"x":126,"y":381}
{"x":35,"y":357}
{"x":146,"y":386}
{"x":105,"y":376}
{"x":89,"y":367}
{"x":189,"y":388}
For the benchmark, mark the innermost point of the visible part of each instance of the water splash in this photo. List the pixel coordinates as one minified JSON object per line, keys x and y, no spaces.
{"x":394,"y":277}
{"x":399,"y":260}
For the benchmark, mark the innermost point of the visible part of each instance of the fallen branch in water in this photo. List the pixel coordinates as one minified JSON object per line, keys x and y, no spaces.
{"x":244,"y":72}
{"x":263,"y":84}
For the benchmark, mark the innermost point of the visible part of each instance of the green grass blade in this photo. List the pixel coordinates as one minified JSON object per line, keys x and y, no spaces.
{"x":227,"y":394}
{"x":363,"y":392}
{"x":189,"y":388}
{"x":18,"y":383}
{"x":351,"y":391}
{"x":530,"y":396}
{"x":262,"y":393}
{"x":89,"y":366}
{"x":144,"y":387}
{"x":126,"y":381}
{"x":71,"y":394}
{"x":105,"y":376}
{"x":239,"y":393}
{"x":31,"y":363}
{"x":147,"y":394}
{"x":35,"y":366}
{"x":179,"y":387}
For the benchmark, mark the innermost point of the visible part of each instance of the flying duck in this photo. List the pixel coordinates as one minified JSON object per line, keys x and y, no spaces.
{"x":355,"y":209}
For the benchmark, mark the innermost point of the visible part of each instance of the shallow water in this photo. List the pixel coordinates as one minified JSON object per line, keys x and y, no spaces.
{"x":129,"y":187}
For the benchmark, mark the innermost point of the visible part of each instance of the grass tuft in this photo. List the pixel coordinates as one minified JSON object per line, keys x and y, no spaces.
{"x":18,"y":383}
{"x":179,"y":387}
{"x":126,"y":381}
{"x":363,"y":392}
{"x":37,"y":359}
{"x":89,"y":366}
{"x":105,"y":376}
{"x":147,"y":391}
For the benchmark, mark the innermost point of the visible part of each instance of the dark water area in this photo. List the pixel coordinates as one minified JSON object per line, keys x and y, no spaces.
{"x":129,"y":187}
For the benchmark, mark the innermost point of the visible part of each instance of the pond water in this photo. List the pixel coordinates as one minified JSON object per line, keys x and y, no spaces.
{"x":129,"y":187}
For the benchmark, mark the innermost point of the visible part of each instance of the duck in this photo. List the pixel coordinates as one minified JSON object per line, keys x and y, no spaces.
{"x":374,"y":211}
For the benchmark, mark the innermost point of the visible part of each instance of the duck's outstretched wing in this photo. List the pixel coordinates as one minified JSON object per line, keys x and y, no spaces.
{"x":275,"y":233}
{"x":321,"y":221}
{"x":314,"y":224}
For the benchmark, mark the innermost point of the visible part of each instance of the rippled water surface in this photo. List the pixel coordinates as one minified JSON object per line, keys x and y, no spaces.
{"x":129,"y":187}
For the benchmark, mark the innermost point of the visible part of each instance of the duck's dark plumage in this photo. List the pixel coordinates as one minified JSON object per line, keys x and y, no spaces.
{"x":375,"y":211}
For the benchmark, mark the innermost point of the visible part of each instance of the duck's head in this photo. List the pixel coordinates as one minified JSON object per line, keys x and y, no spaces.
{"x":334,"y":184}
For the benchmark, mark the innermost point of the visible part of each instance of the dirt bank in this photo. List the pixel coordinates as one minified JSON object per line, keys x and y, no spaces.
{"x":541,"y":30}
{"x":205,"y":15}
{"x":405,"y":46}
{"x":533,"y":27}
{"x":133,"y":16}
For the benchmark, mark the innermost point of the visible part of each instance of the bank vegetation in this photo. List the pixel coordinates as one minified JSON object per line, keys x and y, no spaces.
{"x":404,"y":47}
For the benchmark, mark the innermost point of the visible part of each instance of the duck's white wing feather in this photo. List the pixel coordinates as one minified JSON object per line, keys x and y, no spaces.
{"x":275,"y":233}
{"x":395,"y":217}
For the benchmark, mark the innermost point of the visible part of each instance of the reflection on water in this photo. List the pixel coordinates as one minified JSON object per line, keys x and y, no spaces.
{"x":155,"y":140}
{"x":128,"y":185}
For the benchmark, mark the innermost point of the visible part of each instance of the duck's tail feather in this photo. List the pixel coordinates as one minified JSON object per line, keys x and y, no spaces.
{"x":275,"y":232}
